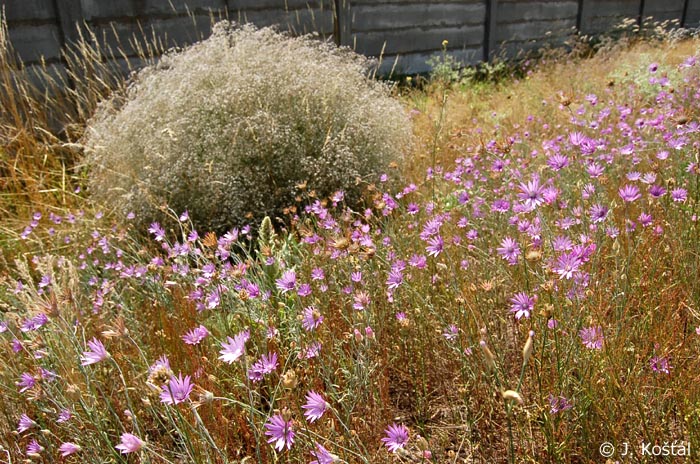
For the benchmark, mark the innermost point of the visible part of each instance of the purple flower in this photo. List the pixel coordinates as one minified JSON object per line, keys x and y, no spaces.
{"x":396,"y":437}
{"x":26,"y":382}
{"x":522,"y":305}
{"x":418,"y":261}
{"x":310,"y":351}
{"x":592,"y":337}
{"x":235,"y":347}
{"x":598,"y":213}
{"x":558,"y":161}
{"x":157,"y":231}
{"x":162,"y":363}
{"x":317,"y":274}
{"x":315,"y":406}
{"x":451,"y":332}
{"x":679,"y":195}
{"x":96,"y":353}
{"x":361,"y":300}
{"x":280,"y":431}
{"x":64,"y":416}
{"x":304,"y":290}
{"x":25,"y":423}
{"x":567,"y":264}
{"x":322,"y":455}
{"x":130,"y":443}
{"x":45,"y":281}
{"x":395,"y":278}
{"x":532,"y":193}
{"x":657,"y":191}
{"x":435,"y":246}
{"x":34,"y":448}
{"x":34,"y":323}
{"x":558,"y":404}
{"x":177,"y":390}
{"x":287,"y":282}
{"x":509,"y":250}
{"x":196,"y":335}
{"x":660,"y":365}
{"x":68,"y":448}
{"x":629,"y":193}
{"x":311,"y":318}
{"x":265,"y":365}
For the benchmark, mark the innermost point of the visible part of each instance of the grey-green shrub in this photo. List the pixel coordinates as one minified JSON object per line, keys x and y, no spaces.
{"x":228,"y":127}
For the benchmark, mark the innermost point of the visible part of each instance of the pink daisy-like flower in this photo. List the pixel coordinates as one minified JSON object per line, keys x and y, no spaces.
{"x":265,"y":365}
{"x":396,"y":437}
{"x":26,"y":382}
{"x":315,"y":406}
{"x":660,"y":365}
{"x":630,"y":193}
{"x":177,"y":390}
{"x":311,"y":318}
{"x":592,"y":337}
{"x":95,"y":354}
{"x":323,"y":456}
{"x":522,"y":305}
{"x":130,"y":443}
{"x":235,"y":347}
{"x":509,"y":250}
{"x":196,"y":335}
{"x":34,"y":449}
{"x":287,"y":282}
{"x":68,"y":448}
{"x":25,"y":423}
{"x":280,"y":431}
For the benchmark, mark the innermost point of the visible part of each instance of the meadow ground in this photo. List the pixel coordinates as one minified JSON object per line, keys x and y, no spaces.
{"x":528,"y":294}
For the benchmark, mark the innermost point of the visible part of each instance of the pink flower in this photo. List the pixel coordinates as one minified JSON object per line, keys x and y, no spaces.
{"x":196,"y":335}
{"x":96,"y":353}
{"x":235,"y":347}
{"x":68,"y":448}
{"x":396,"y":437}
{"x":315,"y":406}
{"x":280,"y":432}
{"x":130,"y":443}
{"x":177,"y":390}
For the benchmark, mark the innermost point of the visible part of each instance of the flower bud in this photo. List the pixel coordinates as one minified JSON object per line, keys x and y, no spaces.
{"x":512,"y":396}
{"x":490,"y":358}
{"x":527,"y":349}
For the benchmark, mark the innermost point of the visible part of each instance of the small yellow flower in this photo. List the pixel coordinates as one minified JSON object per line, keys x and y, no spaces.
{"x":444,"y":43}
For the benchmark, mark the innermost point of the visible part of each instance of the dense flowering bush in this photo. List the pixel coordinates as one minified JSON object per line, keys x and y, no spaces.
{"x":231,"y":127}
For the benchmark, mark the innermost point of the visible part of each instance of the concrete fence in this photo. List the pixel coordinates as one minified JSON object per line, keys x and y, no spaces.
{"x":410,"y":30}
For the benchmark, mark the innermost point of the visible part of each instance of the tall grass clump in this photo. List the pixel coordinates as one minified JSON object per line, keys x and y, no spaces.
{"x":229,"y":128}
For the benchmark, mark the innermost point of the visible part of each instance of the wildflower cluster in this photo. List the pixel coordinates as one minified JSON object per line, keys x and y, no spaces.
{"x":387,"y":332}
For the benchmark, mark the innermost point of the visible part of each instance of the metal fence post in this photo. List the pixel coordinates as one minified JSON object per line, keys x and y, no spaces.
{"x":490,"y":25}
{"x":640,"y":18}
{"x":579,"y":16}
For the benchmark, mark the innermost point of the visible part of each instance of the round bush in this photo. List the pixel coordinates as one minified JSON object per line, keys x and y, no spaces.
{"x":228,"y":128}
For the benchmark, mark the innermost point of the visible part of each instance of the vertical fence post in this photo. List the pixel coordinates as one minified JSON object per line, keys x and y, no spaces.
{"x":342,"y":22}
{"x":490,"y":25}
{"x":640,"y":18}
{"x":684,"y":15}
{"x":69,"y":14}
{"x":579,"y":16}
